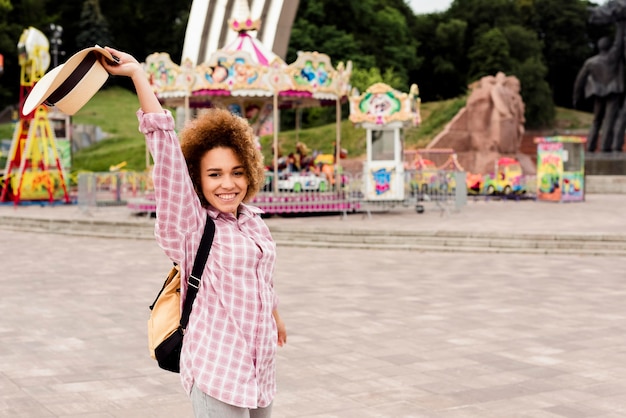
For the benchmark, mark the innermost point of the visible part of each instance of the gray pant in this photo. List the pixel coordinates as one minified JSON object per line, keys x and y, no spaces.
{"x":205,"y":406}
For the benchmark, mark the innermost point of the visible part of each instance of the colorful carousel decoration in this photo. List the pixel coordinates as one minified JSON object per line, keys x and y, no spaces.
{"x":250,"y":80}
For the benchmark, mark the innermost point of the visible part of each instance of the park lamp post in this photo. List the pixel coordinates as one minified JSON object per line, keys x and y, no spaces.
{"x":56,"y":41}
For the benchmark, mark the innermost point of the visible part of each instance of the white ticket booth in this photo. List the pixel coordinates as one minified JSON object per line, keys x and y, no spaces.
{"x":384,"y":112}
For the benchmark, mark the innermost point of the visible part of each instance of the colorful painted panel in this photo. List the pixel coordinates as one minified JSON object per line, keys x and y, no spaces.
{"x":549,"y":171}
{"x":162,"y":73}
{"x":231,"y":71}
{"x":561,"y":168}
{"x":36,"y":185}
{"x":381,"y":105}
{"x":573,"y":187}
{"x":312,"y":71}
{"x":384,"y":182}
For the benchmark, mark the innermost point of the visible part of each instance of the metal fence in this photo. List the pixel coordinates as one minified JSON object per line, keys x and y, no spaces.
{"x":441,"y":193}
{"x":112,"y":188}
{"x":424,"y":190}
{"x":448,"y":192}
{"x":440,"y":190}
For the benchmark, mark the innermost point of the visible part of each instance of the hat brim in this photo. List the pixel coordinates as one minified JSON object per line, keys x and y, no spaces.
{"x":70,"y":86}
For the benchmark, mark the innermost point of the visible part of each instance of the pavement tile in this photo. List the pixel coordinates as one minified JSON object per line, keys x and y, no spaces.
{"x":372,"y":333}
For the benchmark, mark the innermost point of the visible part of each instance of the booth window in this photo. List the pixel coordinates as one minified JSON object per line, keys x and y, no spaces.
{"x":572,"y":157}
{"x":383,"y":145}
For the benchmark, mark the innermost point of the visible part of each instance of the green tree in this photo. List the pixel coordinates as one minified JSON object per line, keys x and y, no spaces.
{"x":370,"y":33}
{"x":94,"y":27}
{"x":505,"y":35}
{"x":527,"y":64}
{"x":29,"y":13}
{"x":390,"y":37}
{"x":562,"y":26}
{"x":142,"y":27}
{"x":450,"y":38}
{"x":442,"y":48}
{"x":9,"y":51}
{"x":543,"y":42}
{"x":523,"y":43}
{"x":536,"y":92}
{"x":361,"y":79}
{"x":489,"y":54}
{"x":489,"y":13}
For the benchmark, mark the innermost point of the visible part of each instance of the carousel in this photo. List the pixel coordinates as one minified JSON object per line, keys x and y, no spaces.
{"x":250,"y":80}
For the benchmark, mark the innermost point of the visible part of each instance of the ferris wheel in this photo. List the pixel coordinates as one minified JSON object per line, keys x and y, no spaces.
{"x":34,"y":56}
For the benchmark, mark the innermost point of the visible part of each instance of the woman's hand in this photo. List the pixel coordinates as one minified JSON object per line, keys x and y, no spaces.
{"x":282,"y":329}
{"x":126,"y":64}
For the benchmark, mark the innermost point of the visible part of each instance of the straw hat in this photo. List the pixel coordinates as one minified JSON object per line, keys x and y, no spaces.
{"x":69,"y":86}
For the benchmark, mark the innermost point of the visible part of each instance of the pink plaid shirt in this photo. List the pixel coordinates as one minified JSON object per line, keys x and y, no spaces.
{"x":230,"y":342}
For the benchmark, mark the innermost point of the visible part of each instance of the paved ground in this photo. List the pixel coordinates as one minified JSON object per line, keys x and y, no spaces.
{"x":371,"y":333}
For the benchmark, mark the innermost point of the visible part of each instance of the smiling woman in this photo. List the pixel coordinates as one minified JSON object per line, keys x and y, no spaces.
{"x":228,"y":356}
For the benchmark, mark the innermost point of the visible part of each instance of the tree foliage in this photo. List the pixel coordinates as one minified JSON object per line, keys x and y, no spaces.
{"x":370,"y":33}
{"x":140,"y":27}
{"x":489,"y":54}
{"x":94,"y":27}
{"x":542,"y":42}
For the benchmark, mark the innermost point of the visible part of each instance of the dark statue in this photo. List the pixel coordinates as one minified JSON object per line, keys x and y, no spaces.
{"x":601,"y":78}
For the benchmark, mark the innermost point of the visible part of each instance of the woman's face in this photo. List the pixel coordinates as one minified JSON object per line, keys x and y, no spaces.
{"x":223,"y":179}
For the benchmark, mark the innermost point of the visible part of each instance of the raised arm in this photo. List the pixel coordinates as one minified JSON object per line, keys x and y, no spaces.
{"x":179,"y":213}
{"x":128,"y":66}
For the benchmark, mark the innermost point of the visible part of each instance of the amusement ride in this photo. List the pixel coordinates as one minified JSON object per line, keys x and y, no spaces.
{"x":33,"y":168}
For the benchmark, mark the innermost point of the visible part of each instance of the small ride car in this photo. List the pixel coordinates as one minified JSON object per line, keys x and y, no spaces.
{"x":507,"y":178}
{"x":299,"y":182}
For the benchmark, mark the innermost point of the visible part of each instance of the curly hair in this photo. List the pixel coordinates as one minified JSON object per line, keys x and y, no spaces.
{"x":220,"y":128}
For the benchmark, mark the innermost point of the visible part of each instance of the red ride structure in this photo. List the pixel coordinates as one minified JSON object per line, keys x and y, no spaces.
{"x":33,"y":169}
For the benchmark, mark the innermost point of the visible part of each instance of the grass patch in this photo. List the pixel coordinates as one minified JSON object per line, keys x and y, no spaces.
{"x":114,"y":111}
{"x":111,"y":152}
{"x":6,"y":130}
{"x":435,"y":116}
{"x":570,"y":119}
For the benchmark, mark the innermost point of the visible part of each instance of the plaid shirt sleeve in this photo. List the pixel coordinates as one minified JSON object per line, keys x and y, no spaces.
{"x":179,"y":213}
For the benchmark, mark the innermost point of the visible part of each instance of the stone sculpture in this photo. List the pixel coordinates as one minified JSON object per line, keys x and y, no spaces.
{"x":601,"y":79}
{"x":490,"y":126}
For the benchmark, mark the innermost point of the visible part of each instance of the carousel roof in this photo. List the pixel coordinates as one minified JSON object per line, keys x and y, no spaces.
{"x":258,"y":52}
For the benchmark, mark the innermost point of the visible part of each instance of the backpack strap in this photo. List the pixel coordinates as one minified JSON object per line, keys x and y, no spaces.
{"x":193,"y":282}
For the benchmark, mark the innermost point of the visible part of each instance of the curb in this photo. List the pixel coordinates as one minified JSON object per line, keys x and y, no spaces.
{"x":394,"y":240}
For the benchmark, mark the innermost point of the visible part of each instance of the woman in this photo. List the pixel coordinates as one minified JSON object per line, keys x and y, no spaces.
{"x":228,"y":360}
